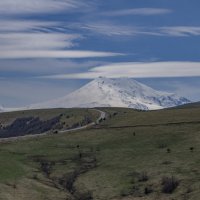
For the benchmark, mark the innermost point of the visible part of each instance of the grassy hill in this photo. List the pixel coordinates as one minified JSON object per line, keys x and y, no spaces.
{"x":136,"y":155}
{"x":191,"y":105}
{"x":21,"y":123}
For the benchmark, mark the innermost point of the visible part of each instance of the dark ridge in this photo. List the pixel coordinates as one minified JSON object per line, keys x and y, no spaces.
{"x":28,"y":126}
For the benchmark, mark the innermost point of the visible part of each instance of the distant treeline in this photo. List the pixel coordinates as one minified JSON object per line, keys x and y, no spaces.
{"x":28,"y":126}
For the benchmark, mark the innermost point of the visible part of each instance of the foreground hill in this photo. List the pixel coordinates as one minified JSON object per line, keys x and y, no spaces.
{"x":150,"y":155}
{"x":122,"y":92}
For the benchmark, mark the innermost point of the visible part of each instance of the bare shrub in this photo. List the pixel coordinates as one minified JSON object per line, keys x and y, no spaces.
{"x":169,"y":184}
{"x":67,"y":181}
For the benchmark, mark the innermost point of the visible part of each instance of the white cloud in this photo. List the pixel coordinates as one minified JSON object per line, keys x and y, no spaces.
{"x":15,"y":26}
{"x":36,"y":41}
{"x":23,"y":54}
{"x":107,"y":28}
{"x":180,"y":31}
{"x":138,"y":70}
{"x":138,"y":11}
{"x":32,"y":37}
{"x":20,"y":7}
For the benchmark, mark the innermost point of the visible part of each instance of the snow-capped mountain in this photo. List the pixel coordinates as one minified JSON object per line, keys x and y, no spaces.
{"x":122,"y":92}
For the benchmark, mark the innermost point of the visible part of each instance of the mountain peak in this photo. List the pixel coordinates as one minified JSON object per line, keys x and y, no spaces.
{"x":120,"y":92}
{"x":122,"y":81}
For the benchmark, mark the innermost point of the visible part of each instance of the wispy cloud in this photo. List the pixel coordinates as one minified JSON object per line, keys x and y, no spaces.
{"x":30,"y":26}
{"x":138,"y":11}
{"x":180,"y":31}
{"x":22,"y":39}
{"x":20,"y":7}
{"x":138,"y":70}
{"x":110,"y":29}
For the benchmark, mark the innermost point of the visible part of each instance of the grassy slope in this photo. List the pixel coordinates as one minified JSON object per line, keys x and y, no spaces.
{"x":120,"y":157}
{"x":70,"y":116}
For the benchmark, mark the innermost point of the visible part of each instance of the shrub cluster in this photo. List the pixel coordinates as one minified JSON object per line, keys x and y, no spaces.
{"x":169,"y":184}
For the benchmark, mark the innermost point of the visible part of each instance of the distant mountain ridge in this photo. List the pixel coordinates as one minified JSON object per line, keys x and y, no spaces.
{"x":121,"y":92}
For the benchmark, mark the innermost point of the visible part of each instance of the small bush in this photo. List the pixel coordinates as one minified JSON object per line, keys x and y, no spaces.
{"x":169,"y":184}
{"x":125,"y":193}
{"x":167,"y":163}
{"x":35,"y":177}
{"x":191,"y":149}
{"x":46,"y":167}
{"x":80,"y":155}
{"x":168,"y":150}
{"x":115,"y":113}
{"x":14,"y":186}
{"x":148,"y":190}
{"x":143,"y":177}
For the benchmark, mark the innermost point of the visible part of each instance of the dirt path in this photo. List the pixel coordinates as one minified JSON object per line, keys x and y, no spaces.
{"x":11,"y":139}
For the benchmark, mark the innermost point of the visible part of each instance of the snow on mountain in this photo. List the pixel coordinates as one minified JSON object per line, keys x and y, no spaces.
{"x":1,"y":108}
{"x":5,"y":109}
{"x":122,"y":92}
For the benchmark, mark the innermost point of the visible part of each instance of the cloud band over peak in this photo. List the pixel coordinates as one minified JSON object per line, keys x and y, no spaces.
{"x":138,"y":70}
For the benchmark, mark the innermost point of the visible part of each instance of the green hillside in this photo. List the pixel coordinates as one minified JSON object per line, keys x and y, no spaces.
{"x":34,"y":122}
{"x":152,"y":155}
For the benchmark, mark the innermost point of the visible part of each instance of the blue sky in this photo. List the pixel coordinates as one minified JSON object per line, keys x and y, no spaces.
{"x":49,"y":48}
